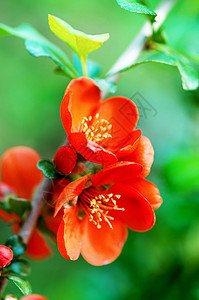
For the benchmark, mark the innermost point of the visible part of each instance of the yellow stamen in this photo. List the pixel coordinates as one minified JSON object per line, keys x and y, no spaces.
{"x":98,"y":207}
{"x":98,"y":131}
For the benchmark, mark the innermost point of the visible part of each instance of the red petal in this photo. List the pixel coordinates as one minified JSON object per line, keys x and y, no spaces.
{"x":38,"y":248}
{"x":122,"y":113}
{"x":54,"y":223}
{"x":143,"y":154}
{"x":138,"y":214}
{"x":68,"y":236}
{"x":131,"y":143}
{"x":19,"y":170}
{"x":82,"y":99}
{"x":102,"y":246}
{"x":65,"y":159}
{"x":71,"y":191}
{"x":148,"y":190}
{"x":90,"y":150}
{"x":61,"y":241}
{"x":118,"y":172}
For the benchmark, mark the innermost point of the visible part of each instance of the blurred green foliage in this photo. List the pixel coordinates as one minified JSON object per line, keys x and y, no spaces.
{"x":164,"y":262}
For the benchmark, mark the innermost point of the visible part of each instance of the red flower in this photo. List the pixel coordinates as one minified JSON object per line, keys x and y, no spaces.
{"x":96,"y":218}
{"x":6,"y":256}
{"x":99,"y":131}
{"x":20,"y":176}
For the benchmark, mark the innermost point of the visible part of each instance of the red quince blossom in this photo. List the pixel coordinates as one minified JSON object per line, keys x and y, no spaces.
{"x":102,"y":132}
{"x":6,"y":256}
{"x":98,"y":211}
{"x":20,"y":176}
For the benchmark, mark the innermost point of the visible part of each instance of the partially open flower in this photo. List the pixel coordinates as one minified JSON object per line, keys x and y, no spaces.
{"x":96,"y":129}
{"x":6,"y":256}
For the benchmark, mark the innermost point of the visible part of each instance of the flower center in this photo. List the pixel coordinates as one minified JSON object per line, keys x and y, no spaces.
{"x":98,"y":131}
{"x":98,"y":206}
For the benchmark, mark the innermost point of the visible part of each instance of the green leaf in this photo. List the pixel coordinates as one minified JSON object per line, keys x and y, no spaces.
{"x":38,"y":45}
{"x":48,"y":169}
{"x":189,"y":76}
{"x":37,"y":49}
{"x":78,"y":41}
{"x":16,"y":244}
{"x":106,"y":85}
{"x":22,"y":284}
{"x":20,"y":267}
{"x":135,"y":6}
{"x":18,"y":205}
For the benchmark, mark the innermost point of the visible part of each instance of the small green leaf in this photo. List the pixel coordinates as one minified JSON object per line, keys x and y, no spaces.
{"x":18,"y":205}
{"x":16,"y":244}
{"x":38,"y":45}
{"x":106,"y":85}
{"x":37,"y":49}
{"x":22,"y":284}
{"x":20,"y":267}
{"x":135,"y":6}
{"x":48,"y":169}
{"x":78,"y":41}
{"x":189,"y":76}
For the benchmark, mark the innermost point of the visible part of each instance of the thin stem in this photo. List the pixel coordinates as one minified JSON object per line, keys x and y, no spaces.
{"x":84,"y":68}
{"x":134,"y":50}
{"x":44,"y":194}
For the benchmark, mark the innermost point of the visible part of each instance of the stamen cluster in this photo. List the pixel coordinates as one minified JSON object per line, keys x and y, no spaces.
{"x":96,"y":130}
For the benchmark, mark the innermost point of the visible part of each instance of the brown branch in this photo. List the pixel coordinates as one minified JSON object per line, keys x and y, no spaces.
{"x":128,"y":57}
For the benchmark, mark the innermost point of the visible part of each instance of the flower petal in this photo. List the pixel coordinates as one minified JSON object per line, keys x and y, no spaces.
{"x":148,"y":190}
{"x":131,"y":143}
{"x":143,"y":154}
{"x":65,"y":159}
{"x":38,"y":247}
{"x":68,"y":236}
{"x":118,"y":172}
{"x":123,"y":115}
{"x":82,"y":99}
{"x":102,"y":246}
{"x":90,"y":150}
{"x":72,"y":190}
{"x":19,"y":170}
{"x":138,"y":214}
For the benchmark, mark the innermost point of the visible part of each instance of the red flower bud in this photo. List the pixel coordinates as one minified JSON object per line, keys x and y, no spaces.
{"x":65,"y":159}
{"x":6,"y":256}
{"x":34,"y":297}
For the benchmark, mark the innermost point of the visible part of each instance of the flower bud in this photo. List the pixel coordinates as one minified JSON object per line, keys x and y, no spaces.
{"x":6,"y":256}
{"x":65,"y":159}
{"x":18,"y":169}
{"x":34,"y":297}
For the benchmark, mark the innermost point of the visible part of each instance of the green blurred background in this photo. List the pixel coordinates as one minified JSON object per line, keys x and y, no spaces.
{"x":164,"y":262}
